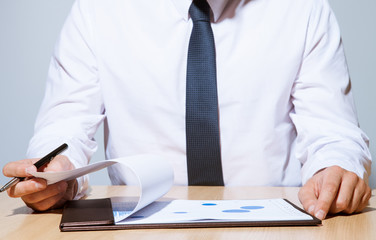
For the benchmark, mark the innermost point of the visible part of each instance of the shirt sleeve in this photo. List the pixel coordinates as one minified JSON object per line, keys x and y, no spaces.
{"x":72,"y":108}
{"x":324,"y":113}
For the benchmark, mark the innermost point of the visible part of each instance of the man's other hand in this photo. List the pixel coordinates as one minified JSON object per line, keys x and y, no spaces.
{"x":333,"y":190}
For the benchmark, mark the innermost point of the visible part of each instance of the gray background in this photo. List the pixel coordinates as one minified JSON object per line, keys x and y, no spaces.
{"x":28,"y":31}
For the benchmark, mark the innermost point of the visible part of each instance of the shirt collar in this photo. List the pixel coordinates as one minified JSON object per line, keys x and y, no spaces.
{"x":217,"y":7}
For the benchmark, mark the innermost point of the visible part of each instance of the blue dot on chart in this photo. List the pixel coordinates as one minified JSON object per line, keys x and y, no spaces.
{"x":180,"y":212}
{"x":235,"y":211}
{"x":209,"y":204}
{"x":252,"y":207}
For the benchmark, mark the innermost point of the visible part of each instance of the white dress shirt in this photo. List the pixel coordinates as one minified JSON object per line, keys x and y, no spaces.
{"x":285,"y":103}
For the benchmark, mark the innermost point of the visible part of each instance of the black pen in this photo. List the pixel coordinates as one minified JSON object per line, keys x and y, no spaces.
{"x":46,"y":159}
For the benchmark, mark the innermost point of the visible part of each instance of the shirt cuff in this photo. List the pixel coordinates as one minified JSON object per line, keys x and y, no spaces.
{"x":344,"y":159}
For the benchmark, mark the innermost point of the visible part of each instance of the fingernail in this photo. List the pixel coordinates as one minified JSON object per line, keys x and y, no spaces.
{"x":311,"y":209}
{"x":320,"y":214}
{"x":31,"y":169}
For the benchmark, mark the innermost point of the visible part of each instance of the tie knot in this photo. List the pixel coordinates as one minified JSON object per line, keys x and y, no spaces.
{"x":200,"y":11}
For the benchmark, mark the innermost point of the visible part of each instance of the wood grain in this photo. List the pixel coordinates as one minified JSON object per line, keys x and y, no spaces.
{"x":19,"y":222}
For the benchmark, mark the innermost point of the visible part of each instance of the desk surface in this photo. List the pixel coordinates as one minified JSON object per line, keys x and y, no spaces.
{"x":19,"y":222}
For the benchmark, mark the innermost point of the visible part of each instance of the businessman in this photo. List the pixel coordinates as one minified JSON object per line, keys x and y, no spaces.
{"x":236,"y":92}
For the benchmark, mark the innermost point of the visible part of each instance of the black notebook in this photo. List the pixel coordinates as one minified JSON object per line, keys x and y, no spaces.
{"x":101,"y":214}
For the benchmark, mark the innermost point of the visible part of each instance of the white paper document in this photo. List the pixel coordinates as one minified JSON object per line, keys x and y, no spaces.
{"x":154,"y":176}
{"x":151,"y":173}
{"x":176,"y":211}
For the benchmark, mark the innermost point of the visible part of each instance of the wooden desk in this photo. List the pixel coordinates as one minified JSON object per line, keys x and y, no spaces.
{"x":19,"y":222}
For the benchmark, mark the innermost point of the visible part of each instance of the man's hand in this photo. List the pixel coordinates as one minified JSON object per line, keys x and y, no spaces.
{"x":34,"y":191}
{"x":334,"y":190}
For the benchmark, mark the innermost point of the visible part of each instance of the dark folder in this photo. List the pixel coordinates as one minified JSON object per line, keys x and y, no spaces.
{"x":96,"y":214}
{"x":87,"y":213}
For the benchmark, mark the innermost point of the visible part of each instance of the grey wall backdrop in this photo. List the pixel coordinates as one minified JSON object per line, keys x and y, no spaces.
{"x":28,"y":31}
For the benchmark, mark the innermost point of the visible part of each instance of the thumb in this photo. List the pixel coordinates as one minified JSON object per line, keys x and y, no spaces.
{"x":58,"y":164}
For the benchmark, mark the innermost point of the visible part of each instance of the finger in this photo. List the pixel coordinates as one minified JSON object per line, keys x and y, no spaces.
{"x":49,"y":192}
{"x":72,"y":189}
{"x":357,"y":197}
{"x":363,"y":194}
{"x":21,"y":168}
{"x":27,"y":187}
{"x":69,"y":194}
{"x":46,"y":203}
{"x":308,"y":197}
{"x":359,"y":191}
{"x":364,"y":200}
{"x":327,"y":193}
{"x":344,"y":198}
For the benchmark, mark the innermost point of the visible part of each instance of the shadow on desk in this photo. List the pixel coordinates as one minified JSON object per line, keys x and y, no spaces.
{"x":27,"y":210}
{"x":366,"y":210}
